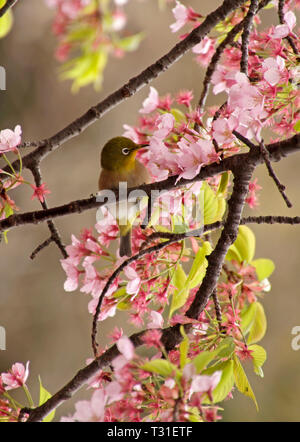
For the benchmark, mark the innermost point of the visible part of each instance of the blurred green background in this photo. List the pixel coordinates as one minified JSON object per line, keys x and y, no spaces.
{"x":50,"y":327}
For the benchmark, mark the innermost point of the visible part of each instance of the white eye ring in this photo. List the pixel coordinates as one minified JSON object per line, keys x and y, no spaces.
{"x":125,"y":151}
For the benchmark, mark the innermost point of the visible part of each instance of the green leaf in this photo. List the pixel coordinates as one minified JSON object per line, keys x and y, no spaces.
{"x":181,"y":292}
{"x":178,"y":224}
{"x":224,"y":349}
{"x":226,"y":382}
{"x":82,"y":33}
{"x":130,"y":43}
{"x":203,"y":359}
{"x":5,"y":236}
{"x":120,"y":292}
{"x":6,"y":21}
{"x":259,"y":324}
{"x":213,"y":205}
{"x":44,"y":396}
{"x":223,"y":183}
{"x":199,"y":266}
{"x":125,"y":304}
{"x":243,"y":248}
{"x":8,"y":210}
{"x":264,"y":267}
{"x":297,"y":126}
{"x":242,"y":382}
{"x":178,"y":115}
{"x":183,"y":284}
{"x":194,"y":415}
{"x":259,"y":356}
{"x":85,"y":69}
{"x":160,"y":366}
{"x":247,"y":317}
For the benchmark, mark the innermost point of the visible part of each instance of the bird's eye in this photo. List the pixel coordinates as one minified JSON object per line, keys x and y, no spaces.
{"x":125,"y":151}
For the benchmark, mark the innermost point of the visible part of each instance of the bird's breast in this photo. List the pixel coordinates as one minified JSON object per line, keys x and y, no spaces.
{"x":133,"y":176}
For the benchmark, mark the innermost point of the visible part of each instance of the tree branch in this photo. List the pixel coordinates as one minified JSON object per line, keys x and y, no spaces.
{"x":246,"y":34}
{"x":242,"y":177}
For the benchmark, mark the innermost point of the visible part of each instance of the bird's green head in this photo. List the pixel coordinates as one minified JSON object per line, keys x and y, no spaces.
{"x":119,"y":153}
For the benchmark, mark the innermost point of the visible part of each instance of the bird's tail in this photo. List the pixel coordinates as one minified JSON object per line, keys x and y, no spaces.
{"x":125,"y":244}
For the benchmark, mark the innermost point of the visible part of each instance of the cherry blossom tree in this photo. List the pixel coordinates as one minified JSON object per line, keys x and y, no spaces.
{"x":193,"y":286}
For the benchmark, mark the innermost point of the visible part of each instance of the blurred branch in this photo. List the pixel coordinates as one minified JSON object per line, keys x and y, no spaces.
{"x":9,"y":4}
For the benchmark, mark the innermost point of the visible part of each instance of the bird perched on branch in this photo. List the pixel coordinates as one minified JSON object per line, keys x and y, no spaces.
{"x":119,"y":164}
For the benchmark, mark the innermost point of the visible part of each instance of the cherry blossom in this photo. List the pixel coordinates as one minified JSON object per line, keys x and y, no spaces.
{"x":205,"y":383}
{"x":40,"y":192}
{"x":156,"y":320}
{"x":152,"y":338}
{"x":284,"y":30}
{"x":185,"y":98}
{"x":151,"y":102}
{"x":70,"y":267}
{"x":273,"y":69}
{"x":10,"y":139}
{"x":93,"y":410}
{"x":16,"y":377}
{"x":193,"y":154}
{"x":223,"y":79}
{"x":134,"y":284}
{"x":223,"y":127}
{"x":204,"y":50}
{"x":181,"y":15}
{"x":125,"y":347}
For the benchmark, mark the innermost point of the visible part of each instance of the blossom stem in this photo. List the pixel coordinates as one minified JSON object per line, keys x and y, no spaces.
{"x":28,"y":395}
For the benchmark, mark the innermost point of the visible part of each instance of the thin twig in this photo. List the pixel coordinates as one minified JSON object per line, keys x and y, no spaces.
{"x":244,"y":140}
{"x":281,"y":20}
{"x":271,"y":219}
{"x":41,"y":247}
{"x":273,"y":175}
{"x":263,"y":219}
{"x":114,"y":275}
{"x":55,"y":236}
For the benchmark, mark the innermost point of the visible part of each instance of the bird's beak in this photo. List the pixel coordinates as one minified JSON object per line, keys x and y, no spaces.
{"x":139,"y":146}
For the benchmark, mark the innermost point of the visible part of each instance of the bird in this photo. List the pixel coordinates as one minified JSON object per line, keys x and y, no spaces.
{"x":119,"y":164}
